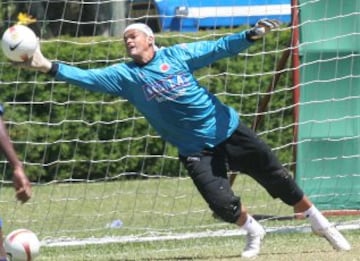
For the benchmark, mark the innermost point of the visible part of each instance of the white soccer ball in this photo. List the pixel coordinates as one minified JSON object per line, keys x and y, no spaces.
{"x":19,"y":43}
{"x":22,"y":245}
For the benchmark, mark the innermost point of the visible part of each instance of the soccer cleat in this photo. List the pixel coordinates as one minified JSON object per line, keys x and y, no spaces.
{"x":253,"y":242}
{"x":335,"y":238}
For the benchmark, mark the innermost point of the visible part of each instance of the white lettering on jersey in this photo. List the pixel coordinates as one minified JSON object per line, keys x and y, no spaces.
{"x":166,"y":89}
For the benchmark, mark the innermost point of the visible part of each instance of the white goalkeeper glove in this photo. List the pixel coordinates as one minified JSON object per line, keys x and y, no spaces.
{"x":262,"y":27}
{"x":37,"y":62}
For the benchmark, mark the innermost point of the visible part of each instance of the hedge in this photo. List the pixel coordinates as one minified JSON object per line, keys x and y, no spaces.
{"x":61,"y":131}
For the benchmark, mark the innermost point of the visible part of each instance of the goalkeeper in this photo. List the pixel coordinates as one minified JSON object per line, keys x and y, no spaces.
{"x":208,"y":134}
{"x":20,"y":181}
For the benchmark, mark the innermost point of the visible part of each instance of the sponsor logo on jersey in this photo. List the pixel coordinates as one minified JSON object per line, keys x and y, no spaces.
{"x":168,"y":88}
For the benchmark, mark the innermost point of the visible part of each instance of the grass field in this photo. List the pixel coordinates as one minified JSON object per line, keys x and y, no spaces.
{"x":294,"y":246}
{"x":152,"y":208}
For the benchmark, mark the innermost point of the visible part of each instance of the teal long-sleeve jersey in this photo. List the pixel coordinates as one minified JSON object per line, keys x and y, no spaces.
{"x":166,"y":92}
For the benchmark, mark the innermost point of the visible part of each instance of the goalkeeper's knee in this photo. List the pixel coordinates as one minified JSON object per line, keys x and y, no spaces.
{"x":282,"y":185}
{"x":227,"y":208}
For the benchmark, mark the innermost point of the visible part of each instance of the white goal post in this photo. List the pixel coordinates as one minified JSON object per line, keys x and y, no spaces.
{"x":101,"y":174}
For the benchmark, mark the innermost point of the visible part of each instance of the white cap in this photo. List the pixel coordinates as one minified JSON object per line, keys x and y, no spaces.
{"x":140,"y":27}
{"x":143,"y":28}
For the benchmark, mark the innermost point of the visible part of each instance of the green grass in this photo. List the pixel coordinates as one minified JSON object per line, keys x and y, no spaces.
{"x":292,"y":246}
{"x":155,"y":207}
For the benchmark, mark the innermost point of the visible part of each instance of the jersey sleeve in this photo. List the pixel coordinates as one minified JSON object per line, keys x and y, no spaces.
{"x":1,"y":109}
{"x":107,"y":80}
{"x":202,"y":53}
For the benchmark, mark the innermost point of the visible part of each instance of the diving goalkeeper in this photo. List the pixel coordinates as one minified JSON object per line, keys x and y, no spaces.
{"x":207,"y":133}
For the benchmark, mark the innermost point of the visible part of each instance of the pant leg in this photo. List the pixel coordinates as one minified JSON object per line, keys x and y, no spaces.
{"x":208,"y":171}
{"x":247,"y":153}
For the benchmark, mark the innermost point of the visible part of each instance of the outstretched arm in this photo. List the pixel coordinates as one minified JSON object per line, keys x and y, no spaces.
{"x":201,"y":54}
{"x":106,"y":79}
{"x":21,"y":183}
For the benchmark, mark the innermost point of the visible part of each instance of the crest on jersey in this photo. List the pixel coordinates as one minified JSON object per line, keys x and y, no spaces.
{"x":164,"y":67}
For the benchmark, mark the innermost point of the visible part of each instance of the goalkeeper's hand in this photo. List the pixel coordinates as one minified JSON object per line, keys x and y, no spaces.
{"x":37,"y":62}
{"x":261,"y":28}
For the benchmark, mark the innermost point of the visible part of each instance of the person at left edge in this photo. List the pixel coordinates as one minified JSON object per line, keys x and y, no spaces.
{"x":21,"y":182}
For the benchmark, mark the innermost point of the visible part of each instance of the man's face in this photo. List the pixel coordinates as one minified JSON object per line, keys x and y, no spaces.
{"x":137,"y":43}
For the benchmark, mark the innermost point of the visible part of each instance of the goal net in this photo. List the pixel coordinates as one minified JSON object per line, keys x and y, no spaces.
{"x":100,"y":172}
